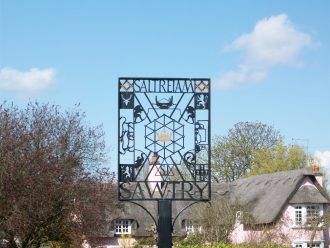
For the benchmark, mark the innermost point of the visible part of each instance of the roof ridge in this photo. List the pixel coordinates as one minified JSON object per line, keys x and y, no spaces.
{"x":303,"y":171}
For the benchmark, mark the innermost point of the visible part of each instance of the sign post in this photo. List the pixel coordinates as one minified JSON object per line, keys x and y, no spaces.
{"x":164,"y":144}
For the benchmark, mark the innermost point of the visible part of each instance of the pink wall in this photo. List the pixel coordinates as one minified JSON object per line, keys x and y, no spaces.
{"x":284,"y":231}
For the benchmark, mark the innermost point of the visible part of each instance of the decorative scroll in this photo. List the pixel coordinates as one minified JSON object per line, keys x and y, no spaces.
{"x":164,"y":139}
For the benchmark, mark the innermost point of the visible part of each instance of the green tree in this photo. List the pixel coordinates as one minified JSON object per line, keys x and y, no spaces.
{"x":281,"y":158}
{"x":233,"y":154}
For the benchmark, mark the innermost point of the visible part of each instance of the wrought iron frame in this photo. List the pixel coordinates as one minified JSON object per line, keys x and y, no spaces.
{"x":164,"y":121}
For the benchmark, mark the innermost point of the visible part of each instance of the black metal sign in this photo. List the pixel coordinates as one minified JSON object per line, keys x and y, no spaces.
{"x":164,"y":139}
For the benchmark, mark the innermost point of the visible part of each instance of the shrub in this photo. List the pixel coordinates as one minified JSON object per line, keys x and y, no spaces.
{"x":147,"y":241}
{"x":192,"y":239}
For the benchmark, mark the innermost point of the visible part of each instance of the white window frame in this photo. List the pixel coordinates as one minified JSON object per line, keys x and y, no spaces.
{"x":298,"y":215}
{"x":189,"y":226}
{"x":303,"y":209}
{"x":314,"y":245}
{"x":305,"y":244}
{"x":123,"y":226}
{"x":313,"y":211}
{"x":239,"y":217}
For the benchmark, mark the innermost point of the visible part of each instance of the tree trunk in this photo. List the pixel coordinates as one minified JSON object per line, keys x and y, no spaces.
{"x":312,"y":237}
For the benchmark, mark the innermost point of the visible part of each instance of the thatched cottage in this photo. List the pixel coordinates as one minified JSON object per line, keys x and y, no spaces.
{"x":280,"y":204}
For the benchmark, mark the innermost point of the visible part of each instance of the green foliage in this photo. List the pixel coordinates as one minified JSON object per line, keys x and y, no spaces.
{"x":192,"y":240}
{"x":281,"y":158}
{"x":150,"y":241}
{"x":232,"y":154}
{"x":254,"y":148}
{"x":59,"y":244}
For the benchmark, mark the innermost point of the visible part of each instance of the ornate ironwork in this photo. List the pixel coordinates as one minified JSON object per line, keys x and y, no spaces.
{"x":164,"y":139}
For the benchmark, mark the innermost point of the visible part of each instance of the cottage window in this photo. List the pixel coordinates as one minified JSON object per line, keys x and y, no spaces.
{"x":314,"y":245}
{"x":305,"y":244}
{"x":313,"y":213}
{"x":189,"y":226}
{"x":307,"y":214}
{"x":298,"y":216}
{"x":239,"y":216}
{"x":123,"y":226}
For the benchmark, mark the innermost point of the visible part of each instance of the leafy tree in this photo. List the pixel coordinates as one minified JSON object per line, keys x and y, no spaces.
{"x":233,"y":154}
{"x":281,"y":158}
{"x":52,"y":187}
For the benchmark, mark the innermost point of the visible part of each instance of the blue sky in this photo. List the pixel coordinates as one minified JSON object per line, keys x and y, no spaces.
{"x":268,"y":60}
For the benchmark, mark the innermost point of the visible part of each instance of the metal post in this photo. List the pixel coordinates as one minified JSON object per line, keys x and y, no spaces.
{"x":164,"y":223}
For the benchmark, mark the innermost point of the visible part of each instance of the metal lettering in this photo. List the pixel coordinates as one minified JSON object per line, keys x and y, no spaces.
{"x":164,"y":139}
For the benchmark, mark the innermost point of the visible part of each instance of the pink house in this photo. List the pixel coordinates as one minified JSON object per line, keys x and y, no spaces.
{"x":281,"y":205}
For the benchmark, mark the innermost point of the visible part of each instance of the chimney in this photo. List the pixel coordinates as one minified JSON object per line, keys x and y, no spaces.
{"x":318,"y":175}
{"x":315,"y":169}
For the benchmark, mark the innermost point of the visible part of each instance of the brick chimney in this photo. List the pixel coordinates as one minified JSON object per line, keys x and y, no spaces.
{"x":318,"y":175}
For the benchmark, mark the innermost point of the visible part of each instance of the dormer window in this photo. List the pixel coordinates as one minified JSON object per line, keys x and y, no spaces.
{"x":123,"y":226}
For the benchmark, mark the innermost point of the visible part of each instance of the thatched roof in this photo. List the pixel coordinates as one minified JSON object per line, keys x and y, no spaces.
{"x":144,"y":221}
{"x":308,"y":194}
{"x":265,"y":196}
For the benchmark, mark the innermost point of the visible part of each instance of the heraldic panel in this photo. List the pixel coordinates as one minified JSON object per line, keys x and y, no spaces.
{"x":164,"y":139}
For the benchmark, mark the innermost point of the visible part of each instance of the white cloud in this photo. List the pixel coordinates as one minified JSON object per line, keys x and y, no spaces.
{"x":273,"y":41}
{"x":26,"y":83}
{"x":324,"y":159}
